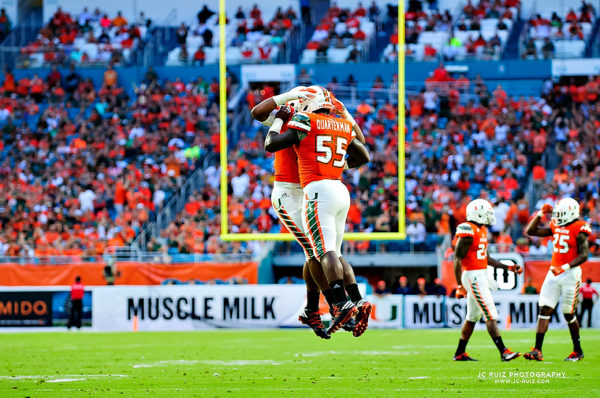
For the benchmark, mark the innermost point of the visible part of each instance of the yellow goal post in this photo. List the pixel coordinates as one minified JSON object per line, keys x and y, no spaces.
{"x":225,"y":234}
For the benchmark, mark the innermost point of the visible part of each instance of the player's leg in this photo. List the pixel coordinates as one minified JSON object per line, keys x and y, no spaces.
{"x":317,"y":274}
{"x":479,"y":286}
{"x":358,"y":325}
{"x":321,"y":205}
{"x":570,"y":283}
{"x":287,"y":203}
{"x":549,"y":295}
{"x":473,"y":315}
{"x":364,"y":307}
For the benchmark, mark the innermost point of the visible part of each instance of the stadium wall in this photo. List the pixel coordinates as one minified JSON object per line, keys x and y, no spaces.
{"x":129,"y":273}
{"x":417,"y":72}
{"x":130,"y":76}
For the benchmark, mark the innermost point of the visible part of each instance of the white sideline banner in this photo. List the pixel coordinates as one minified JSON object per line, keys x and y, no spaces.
{"x":197,"y":307}
{"x":437,"y":312}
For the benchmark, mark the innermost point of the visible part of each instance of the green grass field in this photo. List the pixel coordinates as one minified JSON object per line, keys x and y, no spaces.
{"x":414,"y":363}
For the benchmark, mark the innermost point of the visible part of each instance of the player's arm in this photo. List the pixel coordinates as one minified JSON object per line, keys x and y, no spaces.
{"x":460,"y":252}
{"x":359,"y":133}
{"x":275,"y":141}
{"x":495,"y":263}
{"x":517,"y":269}
{"x":263,"y":111}
{"x":342,"y":111}
{"x":534,"y":229}
{"x":583,"y":251}
{"x":357,"y":154}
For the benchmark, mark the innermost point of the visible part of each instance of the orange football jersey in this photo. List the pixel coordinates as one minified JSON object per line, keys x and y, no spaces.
{"x":476,"y":257}
{"x":322,"y":148}
{"x":564,"y":241}
{"x":286,"y":164}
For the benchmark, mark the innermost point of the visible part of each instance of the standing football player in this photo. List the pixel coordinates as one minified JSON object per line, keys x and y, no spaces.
{"x":471,"y":260}
{"x":570,"y":251}
{"x":287,"y":198}
{"x":321,"y":142}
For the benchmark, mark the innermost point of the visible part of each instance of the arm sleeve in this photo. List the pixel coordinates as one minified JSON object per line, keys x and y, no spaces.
{"x":464,"y":230}
{"x":269,"y":121}
{"x":585,"y":229}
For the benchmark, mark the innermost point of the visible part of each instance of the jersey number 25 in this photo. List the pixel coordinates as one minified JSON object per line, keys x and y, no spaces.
{"x":326,"y":145}
{"x":560,"y":244}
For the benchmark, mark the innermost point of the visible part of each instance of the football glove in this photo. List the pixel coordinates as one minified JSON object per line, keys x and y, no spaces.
{"x":559,"y":270}
{"x":517,"y":269}
{"x":299,"y":92}
{"x":460,"y":292}
{"x":546,"y":209}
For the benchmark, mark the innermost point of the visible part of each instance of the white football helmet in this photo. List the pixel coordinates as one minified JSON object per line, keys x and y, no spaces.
{"x":565,"y":211}
{"x":481,"y":212}
{"x":321,"y":100}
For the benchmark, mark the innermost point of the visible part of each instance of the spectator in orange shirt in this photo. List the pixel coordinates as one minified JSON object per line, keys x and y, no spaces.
{"x":110,"y":77}
{"x":119,"y":20}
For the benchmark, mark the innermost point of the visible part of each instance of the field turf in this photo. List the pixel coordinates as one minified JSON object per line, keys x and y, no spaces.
{"x":234,"y":363}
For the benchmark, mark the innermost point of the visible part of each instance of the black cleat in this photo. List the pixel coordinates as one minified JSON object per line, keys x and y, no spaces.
{"x":350,"y":325}
{"x":342,"y":312}
{"x":313,"y":319}
{"x":508,"y":355}
{"x":362,"y":318}
{"x":574,"y":356}
{"x":534,"y":355}
{"x":463,"y":357}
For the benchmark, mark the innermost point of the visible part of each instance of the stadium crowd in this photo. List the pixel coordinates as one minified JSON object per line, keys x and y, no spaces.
{"x":547,"y":32}
{"x":346,"y":31}
{"x":476,"y":31}
{"x":86,"y":38}
{"x":83,"y":167}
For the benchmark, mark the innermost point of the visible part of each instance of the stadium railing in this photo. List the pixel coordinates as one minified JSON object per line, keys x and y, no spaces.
{"x":171,"y":209}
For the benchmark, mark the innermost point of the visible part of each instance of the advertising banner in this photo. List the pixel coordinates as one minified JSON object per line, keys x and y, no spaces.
{"x":200,"y":307}
{"x":197,"y":307}
{"x":25,"y":309}
{"x":31,"y":308}
{"x":436,"y":312}
{"x":388,"y":312}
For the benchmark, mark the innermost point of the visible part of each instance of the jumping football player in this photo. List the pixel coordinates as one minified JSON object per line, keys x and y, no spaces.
{"x":570,"y":251}
{"x":286,"y":199}
{"x":321,"y":142}
{"x":471,"y":260}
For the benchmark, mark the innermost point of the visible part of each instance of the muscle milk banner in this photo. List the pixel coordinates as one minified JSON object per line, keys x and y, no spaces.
{"x":433,"y":312}
{"x":197,"y":307}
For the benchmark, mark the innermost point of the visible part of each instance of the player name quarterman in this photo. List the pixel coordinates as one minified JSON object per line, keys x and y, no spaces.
{"x":327,"y":124}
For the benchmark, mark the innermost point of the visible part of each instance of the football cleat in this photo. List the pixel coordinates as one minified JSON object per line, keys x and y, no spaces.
{"x":362,"y":318}
{"x":313,"y":320}
{"x":534,"y":355}
{"x":463,"y":357}
{"x":342,"y":312}
{"x":508,"y":355}
{"x":574,"y":356}
{"x":350,"y":325}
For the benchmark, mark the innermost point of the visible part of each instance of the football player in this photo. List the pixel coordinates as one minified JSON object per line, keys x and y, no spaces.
{"x":570,"y":251}
{"x":471,"y":260}
{"x":321,"y":142}
{"x":286,"y":199}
